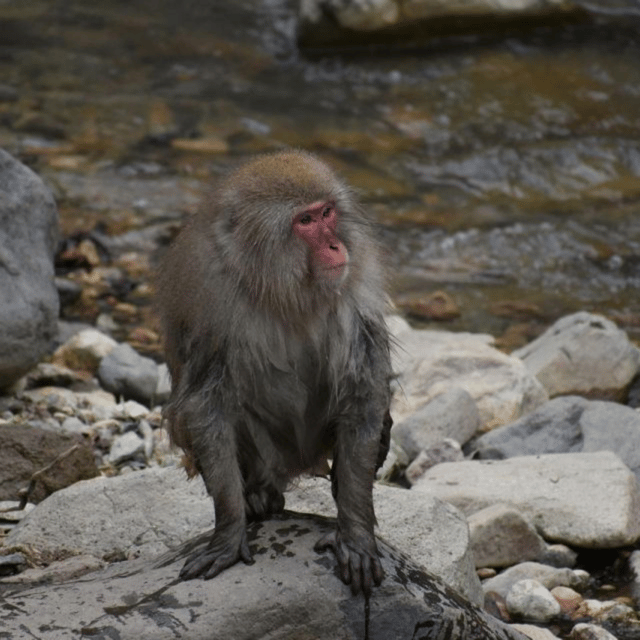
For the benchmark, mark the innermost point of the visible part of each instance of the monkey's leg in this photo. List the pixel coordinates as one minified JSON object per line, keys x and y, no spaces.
{"x":353,"y":471}
{"x":259,"y":461}
{"x":215,"y":450}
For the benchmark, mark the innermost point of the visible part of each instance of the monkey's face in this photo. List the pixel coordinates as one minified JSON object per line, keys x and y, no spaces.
{"x":316,"y":227}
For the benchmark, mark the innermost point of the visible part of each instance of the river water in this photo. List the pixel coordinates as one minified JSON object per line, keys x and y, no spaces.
{"x":504,"y":168}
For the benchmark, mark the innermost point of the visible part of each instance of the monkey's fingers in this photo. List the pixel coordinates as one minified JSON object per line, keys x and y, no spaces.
{"x":219,"y":554}
{"x":358,"y":568}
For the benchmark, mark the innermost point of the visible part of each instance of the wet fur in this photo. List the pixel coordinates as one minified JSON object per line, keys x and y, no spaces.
{"x":272,"y":369}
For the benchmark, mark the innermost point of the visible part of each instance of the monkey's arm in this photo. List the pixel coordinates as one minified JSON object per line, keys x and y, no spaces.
{"x":358,"y":445}
{"x":213,"y":445}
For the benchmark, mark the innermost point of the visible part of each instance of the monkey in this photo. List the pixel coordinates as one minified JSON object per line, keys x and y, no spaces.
{"x":271,"y":302}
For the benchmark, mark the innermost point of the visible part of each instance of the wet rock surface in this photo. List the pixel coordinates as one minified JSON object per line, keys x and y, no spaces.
{"x":290,"y":588}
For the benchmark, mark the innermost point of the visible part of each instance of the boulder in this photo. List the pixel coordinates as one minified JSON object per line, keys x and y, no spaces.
{"x":29,"y":301}
{"x":289,"y":592}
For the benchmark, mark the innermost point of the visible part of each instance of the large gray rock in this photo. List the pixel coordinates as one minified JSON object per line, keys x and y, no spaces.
{"x":146,"y":513}
{"x":584,"y":499}
{"x":433,"y":533}
{"x":291,"y":592}
{"x":565,"y":425}
{"x":137,"y":514}
{"x":29,"y":302}
{"x":583,"y":354}
{"x":430,"y":363}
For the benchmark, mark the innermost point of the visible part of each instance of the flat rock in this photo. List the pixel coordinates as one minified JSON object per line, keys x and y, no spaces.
{"x":290,"y":592}
{"x":584,"y":499}
{"x":565,"y":425}
{"x":137,"y":514}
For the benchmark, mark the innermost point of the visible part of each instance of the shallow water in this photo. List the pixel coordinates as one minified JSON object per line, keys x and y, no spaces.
{"x":505,"y":168}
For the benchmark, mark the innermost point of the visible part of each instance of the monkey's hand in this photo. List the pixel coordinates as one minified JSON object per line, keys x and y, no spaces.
{"x":226,"y":547}
{"x":357,"y":556}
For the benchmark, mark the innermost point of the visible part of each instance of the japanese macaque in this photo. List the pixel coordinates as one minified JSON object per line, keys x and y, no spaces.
{"x":271,"y":300}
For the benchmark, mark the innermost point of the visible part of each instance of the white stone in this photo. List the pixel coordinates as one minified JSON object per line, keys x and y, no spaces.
{"x":582,"y":353}
{"x":429,"y":363}
{"x":531,"y":600}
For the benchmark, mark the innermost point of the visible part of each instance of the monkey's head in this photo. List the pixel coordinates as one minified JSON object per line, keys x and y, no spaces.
{"x":292,"y":228}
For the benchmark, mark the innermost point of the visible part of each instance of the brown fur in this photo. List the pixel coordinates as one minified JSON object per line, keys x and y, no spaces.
{"x":273,"y":367}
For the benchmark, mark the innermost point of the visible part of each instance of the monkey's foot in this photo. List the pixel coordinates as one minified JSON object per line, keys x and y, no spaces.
{"x":224,"y":549}
{"x":262,"y":502}
{"x":358,"y":560}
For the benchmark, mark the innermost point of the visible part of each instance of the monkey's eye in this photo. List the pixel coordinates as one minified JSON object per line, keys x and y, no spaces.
{"x":306,"y":219}
{"x":326,"y":212}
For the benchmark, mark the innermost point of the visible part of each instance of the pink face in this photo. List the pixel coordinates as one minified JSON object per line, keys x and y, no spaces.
{"x":316,"y":226}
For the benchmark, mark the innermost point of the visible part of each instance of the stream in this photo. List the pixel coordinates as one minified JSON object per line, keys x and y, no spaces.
{"x":503,"y":168}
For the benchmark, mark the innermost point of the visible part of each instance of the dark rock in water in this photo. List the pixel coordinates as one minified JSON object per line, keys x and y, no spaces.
{"x":28,"y":297}
{"x":290,"y":592}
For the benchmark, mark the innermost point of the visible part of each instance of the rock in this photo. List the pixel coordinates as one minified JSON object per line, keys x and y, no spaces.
{"x":432,"y":532}
{"x":26,"y":450}
{"x":366,"y":22}
{"x":89,"y":406}
{"x":533,"y":632}
{"x":547,"y":576}
{"x":132,"y":410}
{"x":551,"y":492}
{"x":46,"y":374}
{"x":559,"y":555}
{"x":448,"y":450}
{"x":585,"y":631}
{"x":163,"y":390}
{"x":582,"y":354}
{"x":75,"y":425}
{"x":429,"y":363}
{"x":125,"y":447}
{"x":11,"y":514}
{"x":606,"y":611}
{"x":501,"y":536}
{"x":29,"y":301}
{"x":452,"y":414}
{"x":126,"y":373}
{"x":68,"y":569}
{"x":85,"y":350}
{"x":530,"y":600}
{"x":438,"y":305}
{"x":138,"y":514}
{"x":568,"y":599}
{"x":290,"y":588}
{"x":568,"y":424}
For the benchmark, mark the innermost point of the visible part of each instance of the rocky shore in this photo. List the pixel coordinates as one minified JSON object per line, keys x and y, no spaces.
{"x":523,"y":469}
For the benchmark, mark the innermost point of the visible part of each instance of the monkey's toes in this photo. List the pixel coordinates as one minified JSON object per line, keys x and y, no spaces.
{"x":359,"y":567}
{"x":219,"y":554}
